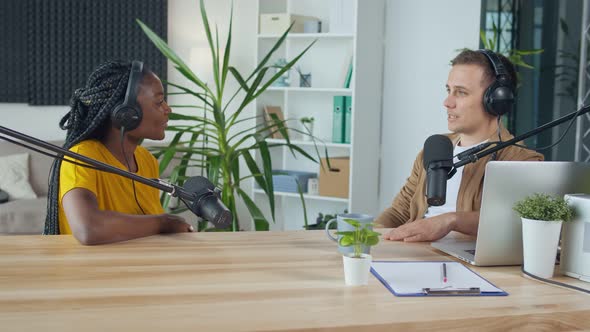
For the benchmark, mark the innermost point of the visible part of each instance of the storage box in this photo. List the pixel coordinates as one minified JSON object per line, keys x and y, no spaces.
{"x":288,"y":182}
{"x":277,"y":24}
{"x":335,"y":180}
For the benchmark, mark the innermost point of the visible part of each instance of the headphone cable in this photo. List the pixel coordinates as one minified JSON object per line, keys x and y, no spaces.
{"x":499,"y":123}
{"x":129,"y":168}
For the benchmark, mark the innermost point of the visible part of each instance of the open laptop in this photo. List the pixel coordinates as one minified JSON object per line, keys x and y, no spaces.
{"x":499,"y":236}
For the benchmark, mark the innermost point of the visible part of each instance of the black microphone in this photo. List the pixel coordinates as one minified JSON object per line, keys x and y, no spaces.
{"x":438,"y":162}
{"x":3,"y":196}
{"x":207,"y":203}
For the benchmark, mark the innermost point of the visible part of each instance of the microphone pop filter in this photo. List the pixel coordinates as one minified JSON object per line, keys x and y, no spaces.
{"x":206,"y":203}
{"x":437,"y":148}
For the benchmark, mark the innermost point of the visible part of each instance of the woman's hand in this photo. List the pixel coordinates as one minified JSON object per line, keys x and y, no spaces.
{"x":171,"y":223}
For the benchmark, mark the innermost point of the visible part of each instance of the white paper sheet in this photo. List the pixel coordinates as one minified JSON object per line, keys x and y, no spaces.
{"x":412,"y":277}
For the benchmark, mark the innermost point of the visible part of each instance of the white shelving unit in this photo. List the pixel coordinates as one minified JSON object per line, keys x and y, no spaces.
{"x":327,"y":61}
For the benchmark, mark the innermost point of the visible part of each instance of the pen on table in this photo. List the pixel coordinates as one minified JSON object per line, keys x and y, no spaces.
{"x":444,"y":272}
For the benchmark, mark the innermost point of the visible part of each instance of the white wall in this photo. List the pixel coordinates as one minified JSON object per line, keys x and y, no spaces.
{"x":184,"y":31}
{"x":38,"y":121}
{"x":421,"y":37}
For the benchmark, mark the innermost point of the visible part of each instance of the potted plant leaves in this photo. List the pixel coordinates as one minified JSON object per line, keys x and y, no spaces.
{"x":357,"y":264}
{"x":542,"y":216}
{"x":218,"y":139}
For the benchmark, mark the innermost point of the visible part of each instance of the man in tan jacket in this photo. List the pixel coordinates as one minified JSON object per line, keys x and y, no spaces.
{"x":471,"y":123}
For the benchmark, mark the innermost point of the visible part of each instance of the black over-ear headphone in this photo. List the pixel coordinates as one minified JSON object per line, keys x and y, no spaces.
{"x":498,"y":99}
{"x":128,"y":115}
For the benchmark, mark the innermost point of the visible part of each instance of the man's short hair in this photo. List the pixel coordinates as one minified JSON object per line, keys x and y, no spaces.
{"x":471,"y":57}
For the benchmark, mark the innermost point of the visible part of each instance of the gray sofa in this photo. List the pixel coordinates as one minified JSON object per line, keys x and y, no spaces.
{"x":27,"y":216}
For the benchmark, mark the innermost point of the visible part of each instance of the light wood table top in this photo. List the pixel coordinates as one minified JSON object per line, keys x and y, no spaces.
{"x":250,"y":282}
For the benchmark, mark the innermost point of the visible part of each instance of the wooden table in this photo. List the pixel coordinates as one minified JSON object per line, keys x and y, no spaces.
{"x":249,"y":281}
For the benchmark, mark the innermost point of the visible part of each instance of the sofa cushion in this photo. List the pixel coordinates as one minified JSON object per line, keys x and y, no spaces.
{"x":39,"y":165}
{"x":14,"y":176}
{"x":23,"y":216}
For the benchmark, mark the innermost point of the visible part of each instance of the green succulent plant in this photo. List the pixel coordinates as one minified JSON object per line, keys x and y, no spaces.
{"x":544,"y":207}
{"x":361,"y":236}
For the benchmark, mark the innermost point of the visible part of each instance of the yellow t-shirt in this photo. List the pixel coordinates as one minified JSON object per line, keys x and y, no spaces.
{"x":113,"y":192}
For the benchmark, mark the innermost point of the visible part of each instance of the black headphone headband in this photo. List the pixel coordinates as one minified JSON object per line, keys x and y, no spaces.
{"x":127,"y":116}
{"x":498,"y":98}
{"x":496,"y":63}
{"x":133,"y":84}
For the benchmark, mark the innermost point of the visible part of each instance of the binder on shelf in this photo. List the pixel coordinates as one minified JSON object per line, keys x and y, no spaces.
{"x":338,"y":120}
{"x":445,"y":278}
{"x":348,"y":77}
{"x":347,"y":118}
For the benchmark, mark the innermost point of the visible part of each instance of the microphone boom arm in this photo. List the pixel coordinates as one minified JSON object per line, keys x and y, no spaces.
{"x":476,"y":156}
{"x":169,"y":188}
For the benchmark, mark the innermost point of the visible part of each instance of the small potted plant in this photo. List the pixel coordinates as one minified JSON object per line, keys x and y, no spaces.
{"x":542,"y":216}
{"x":307,"y":123}
{"x":357,"y":264}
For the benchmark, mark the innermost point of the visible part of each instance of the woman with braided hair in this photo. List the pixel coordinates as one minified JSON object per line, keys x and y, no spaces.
{"x":99,"y":207}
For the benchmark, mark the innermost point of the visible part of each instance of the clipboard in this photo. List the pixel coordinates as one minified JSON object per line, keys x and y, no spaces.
{"x":403,"y":278}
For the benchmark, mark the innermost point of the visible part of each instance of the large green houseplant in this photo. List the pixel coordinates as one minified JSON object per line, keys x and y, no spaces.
{"x":215,"y":139}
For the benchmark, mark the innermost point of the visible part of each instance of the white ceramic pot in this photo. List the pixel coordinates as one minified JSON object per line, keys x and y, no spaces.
{"x":308,"y":128}
{"x":356,"y":270}
{"x":539,"y":245}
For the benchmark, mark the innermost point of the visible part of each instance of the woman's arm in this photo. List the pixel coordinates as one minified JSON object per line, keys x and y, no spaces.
{"x":90,"y":225}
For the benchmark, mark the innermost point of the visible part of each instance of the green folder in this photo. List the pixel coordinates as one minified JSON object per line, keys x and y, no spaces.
{"x":348,"y":77}
{"x":347,"y":118}
{"x":338,"y":120}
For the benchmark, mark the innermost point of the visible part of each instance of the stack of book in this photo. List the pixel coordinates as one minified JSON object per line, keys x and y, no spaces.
{"x":341,"y":119}
{"x":342,"y":112}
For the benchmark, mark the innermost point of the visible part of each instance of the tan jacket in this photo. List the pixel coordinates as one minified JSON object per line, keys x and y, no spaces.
{"x":410,"y":203}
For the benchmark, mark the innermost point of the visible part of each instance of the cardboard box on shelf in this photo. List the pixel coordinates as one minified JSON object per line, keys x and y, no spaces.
{"x":334,"y":180}
{"x":269,"y":111}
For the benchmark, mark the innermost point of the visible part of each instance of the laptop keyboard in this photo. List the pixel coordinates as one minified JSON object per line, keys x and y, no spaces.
{"x":471,"y":251}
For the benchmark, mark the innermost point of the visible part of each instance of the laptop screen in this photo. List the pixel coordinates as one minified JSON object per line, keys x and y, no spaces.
{"x":499,"y":238}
